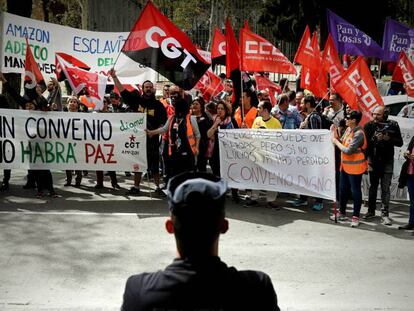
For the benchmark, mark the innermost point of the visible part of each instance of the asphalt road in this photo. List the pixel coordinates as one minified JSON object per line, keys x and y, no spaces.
{"x":76,"y":251}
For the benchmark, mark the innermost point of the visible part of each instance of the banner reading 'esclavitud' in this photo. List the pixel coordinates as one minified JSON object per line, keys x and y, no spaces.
{"x":292,"y":161}
{"x":81,"y":141}
{"x":98,"y":50}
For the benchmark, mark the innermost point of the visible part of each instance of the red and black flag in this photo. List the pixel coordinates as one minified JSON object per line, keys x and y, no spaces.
{"x":32,"y":74}
{"x":218,"y":49}
{"x":73,"y":61}
{"x":233,"y":62}
{"x":156,"y":42}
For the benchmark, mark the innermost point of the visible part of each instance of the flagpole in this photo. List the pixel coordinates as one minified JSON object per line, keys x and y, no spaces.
{"x":379,"y":69}
{"x":241,"y":96}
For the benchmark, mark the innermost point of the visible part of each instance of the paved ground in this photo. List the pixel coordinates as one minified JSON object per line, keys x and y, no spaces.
{"x":75,"y":252}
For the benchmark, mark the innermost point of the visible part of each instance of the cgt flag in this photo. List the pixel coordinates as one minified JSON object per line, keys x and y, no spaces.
{"x":397,"y":38}
{"x":209,"y":85}
{"x":73,"y":61}
{"x":258,"y":54}
{"x":80,"y":79}
{"x":358,"y":89}
{"x":32,"y":74}
{"x":406,"y":68}
{"x":218,"y":49}
{"x":156,"y":42}
{"x":349,"y":39}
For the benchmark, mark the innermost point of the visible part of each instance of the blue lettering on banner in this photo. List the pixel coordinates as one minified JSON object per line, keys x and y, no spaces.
{"x":97,"y":46}
{"x":33,"y":34}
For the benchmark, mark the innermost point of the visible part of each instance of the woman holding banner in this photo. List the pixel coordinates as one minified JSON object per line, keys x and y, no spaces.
{"x":353,"y":165}
{"x":222,"y":121}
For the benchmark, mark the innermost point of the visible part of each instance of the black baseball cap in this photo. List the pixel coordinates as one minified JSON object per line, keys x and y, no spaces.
{"x":192,"y":189}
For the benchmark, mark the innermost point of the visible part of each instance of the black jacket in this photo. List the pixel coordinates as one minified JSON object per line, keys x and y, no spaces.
{"x":380,"y":152}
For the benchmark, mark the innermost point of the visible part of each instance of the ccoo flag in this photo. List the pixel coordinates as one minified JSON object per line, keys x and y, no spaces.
{"x":406,"y":68}
{"x":258,"y":54}
{"x":349,"y":39}
{"x":156,"y":42}
{"x":218,"y":49}
{"x":358,"y":89}
{"x":397,"y":38}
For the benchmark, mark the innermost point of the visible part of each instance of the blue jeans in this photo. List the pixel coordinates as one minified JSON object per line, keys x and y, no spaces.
{"x":350,"y":182}
{"x":410,"y":186}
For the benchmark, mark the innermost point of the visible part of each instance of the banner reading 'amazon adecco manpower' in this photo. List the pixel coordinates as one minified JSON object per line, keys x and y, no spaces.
{"x":292,"y":161}
{"x":76,"y":141}
{"x":99,"y":50}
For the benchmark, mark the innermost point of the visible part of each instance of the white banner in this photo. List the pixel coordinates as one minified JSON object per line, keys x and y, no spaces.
{"x":64,"y":140}
{"x":292,"y":161}
{"x":99,"y":50}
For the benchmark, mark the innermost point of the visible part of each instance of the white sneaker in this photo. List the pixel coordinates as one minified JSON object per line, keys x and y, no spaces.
{"x":355,"y":222}
{"x":386,"y":220}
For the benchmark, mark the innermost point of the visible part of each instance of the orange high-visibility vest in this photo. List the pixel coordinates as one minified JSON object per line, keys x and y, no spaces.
{"x":355,"y":163}
{"x":190,"y":135}
{"x":248,"y":117}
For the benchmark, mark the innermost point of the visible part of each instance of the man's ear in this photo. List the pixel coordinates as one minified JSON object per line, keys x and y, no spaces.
{"x":169,"y":226}
{"x":224,"y":226}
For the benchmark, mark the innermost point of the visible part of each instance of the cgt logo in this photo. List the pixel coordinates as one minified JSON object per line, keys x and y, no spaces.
{"x":132,"y":144}
{"x":169,"y":46}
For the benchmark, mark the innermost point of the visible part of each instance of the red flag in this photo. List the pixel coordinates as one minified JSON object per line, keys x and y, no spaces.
{"x":312,"y":79}
{"x":263,"y":83}
{"x":128,"y":87}
{"x":156,"y":42}
{"x":209,"y":85}
{"x":246,"y":25}
{"x":233,"y":62}
{"x":331,"y":62}
{"x":73,"y":61}
{"x":305,"y":55}
{"x":80,"y":79}
{"x":258,"y":54}
{"x":358,"y":89}
{"x":407,"y":71}
{"x":218,"y":49}
{"x":32,"y":74}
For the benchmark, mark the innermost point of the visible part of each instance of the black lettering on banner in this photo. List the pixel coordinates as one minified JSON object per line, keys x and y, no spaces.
{"x":7,"y":151}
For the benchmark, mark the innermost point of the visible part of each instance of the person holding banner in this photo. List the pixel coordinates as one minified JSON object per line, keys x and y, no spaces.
{"x":156,"y":117}
{"x":265,"y":121}
{"x":353,"y":165}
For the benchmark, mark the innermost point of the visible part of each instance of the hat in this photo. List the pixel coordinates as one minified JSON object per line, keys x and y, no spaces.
{"x":183,"y":188}
{"x":114,"y":95}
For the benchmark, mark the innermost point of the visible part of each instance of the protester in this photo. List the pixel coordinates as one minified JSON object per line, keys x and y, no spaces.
{"x":204,"y":124}
{"x":156,"y":117}
{"x":298,"y":99}
{"x":223,"y":120}
{"x":288,"y":115}
{"x":250,"y":101}
{"x":383,"y":135}
{"x":313,"y":121}
{"x":353,"y":165}
{"x":54,"y":99}
{"x":264,"y":121}
{"x":73,"y":106}
{"x":335,"y":112}
{"x":407,"y":179}
{"x":182,"y":137}
{"x":198,"y":279}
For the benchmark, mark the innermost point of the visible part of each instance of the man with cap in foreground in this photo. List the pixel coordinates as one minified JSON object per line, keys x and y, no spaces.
{"x":197,"y":279}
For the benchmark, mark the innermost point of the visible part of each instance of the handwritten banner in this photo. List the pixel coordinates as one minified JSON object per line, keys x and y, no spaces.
{"x":292,"y":161}
{"x":82,"y":141}
{"x":99,"y":50}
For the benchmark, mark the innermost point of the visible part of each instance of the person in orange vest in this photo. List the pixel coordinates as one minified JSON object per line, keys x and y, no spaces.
{"x":182,"y":137}
{"x":353,"y":165}
{"x":250,"y":101}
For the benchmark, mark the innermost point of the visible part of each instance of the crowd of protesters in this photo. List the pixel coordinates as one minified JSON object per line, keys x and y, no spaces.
{"x":183,"y":136}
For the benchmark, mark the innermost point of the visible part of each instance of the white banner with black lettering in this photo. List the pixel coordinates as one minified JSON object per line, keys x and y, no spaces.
{"x":99,"y":50}
{"x":292,"y":161}
{"x":64,"y":140}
